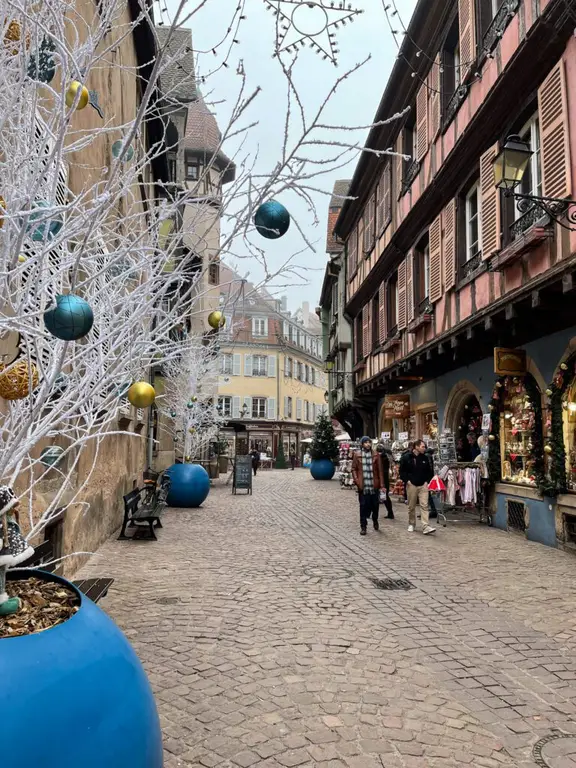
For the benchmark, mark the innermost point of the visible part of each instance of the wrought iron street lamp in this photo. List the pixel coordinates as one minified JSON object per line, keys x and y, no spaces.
{"x":510,"y":166}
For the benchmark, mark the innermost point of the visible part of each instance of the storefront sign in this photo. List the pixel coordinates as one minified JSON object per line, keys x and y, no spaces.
{"x":397,"y":406}
{"x":486,"y":422}
{"x":385,"y":436}
{"x":509,"y":362}
{"x":403,"y":437}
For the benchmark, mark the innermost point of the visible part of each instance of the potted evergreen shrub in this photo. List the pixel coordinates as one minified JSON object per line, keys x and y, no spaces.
{"x":323,"y":450}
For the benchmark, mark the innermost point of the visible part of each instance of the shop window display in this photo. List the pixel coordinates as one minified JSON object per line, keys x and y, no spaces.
{"x":469,"y":423}
{"x":569,"y":424}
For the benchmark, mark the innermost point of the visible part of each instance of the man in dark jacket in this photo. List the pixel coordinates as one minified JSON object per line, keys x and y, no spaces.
{"x":404,"y":458}
{"x":385,"y":465}
{"x":367,"y":474}
{"x":417,"y":473}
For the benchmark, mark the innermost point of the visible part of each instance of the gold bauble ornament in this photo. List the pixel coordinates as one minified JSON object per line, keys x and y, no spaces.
{"x":491,"y":437}
{"x":15,"y":384}
{"x":498,"y":383}
{"x":194,"y":399}
{"x":141,"y":394}
{"x":187,"y":459}
{"x":2,"y":211}
{"x":191,"y":430}
{"x":216,"y":319}
{"x":14,"y":35}
{"x":71,"y":92}
{"x":490,"y":407}
{"x":548,"y":449}
{"x":549,"y":392}
{"x":22,"y":259}
{"x":564,"y":366}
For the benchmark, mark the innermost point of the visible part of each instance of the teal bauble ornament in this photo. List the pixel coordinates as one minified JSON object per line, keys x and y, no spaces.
{"x":71,"y":318}
{"x":190,"y":404}
{"x":117,"y":149}
{"x":173,"y":414}
{"x":52,"y":455}
{"x":42,"y":64}
{"x":272,"y":220}
{"x":40,"y":226}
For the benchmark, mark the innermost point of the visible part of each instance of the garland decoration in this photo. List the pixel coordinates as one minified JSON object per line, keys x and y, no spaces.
{"x":556,"y":392}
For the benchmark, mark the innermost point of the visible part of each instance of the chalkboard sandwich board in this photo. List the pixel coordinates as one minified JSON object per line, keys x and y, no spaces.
{"x":242,"y":474}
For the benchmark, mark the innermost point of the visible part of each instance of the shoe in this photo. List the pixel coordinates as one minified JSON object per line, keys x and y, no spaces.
{"x":363,"y":532}
{"x":433,"y":515}
{"x":410,"y":529}
{"x":390,"y":516}
{"x":376,"y":525}
{"x":428,"y":529}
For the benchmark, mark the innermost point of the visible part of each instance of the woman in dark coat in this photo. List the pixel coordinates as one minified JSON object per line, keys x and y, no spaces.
{"x":385,"y":463}
{"x":255,"y":460}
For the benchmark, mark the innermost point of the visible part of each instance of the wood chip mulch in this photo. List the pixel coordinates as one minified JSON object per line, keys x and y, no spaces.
{"x":44,"y":604}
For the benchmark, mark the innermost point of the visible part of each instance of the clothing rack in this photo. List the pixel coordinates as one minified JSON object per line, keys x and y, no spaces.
{"x":479,"y":506}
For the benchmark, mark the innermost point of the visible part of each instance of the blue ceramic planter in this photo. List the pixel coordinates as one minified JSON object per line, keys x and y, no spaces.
{"x":189,"y":485}
{"x":76,"y":696}
{"x":322,"y":469}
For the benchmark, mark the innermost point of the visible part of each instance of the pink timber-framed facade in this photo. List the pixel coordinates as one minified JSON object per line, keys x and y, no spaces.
{"x":441,"y":267}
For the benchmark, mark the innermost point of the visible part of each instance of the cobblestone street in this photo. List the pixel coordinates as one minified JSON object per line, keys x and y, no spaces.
{"x":268,"y":643}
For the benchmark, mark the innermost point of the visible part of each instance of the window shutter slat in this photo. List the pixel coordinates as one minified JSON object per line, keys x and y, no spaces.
{"x":366,"y":330}
{"x":235,"y":407}
{"x":271,"y":408}
{"x":384,"y":213}
{"x":410,"y":287}
{"x":247,"y":365}
{"x":435,"y":245}
{"x":353,"y":250}
{"x":490,"y":205}
{"x":236,"y":363}
{"x":272,"y":366}
{"x":398,"y":168}
{"x":435,"y":107}
{"x":449,"y":245}
{"x":555,"y":145}
{"x":382,"y":314}
{"x":402,"y":296}
{"x":467,"y":20}
{"x":422,"y":122}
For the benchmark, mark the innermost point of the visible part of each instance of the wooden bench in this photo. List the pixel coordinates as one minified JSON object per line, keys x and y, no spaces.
{"x":139,"y":513}
{"x":95,"y":589}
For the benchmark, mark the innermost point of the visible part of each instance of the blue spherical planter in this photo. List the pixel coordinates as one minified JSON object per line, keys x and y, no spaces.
{"x":272,"y":220}
{"x":189,"y":485}
{"x":322,"y":469}
{"x":76,"y":695}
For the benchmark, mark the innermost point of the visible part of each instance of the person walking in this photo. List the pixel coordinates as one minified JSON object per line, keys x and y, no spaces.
{"x":255,"y":460}
{"x":292,"y":458}
{"x":404,"y":458}
{"x":385,"y":466}
{"x":417,"y":473}
{"x":367,"y":474}
{"x":433,"y":513}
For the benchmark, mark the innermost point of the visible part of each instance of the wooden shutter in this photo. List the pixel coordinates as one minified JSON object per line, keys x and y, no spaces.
{"x":369,"y":223}
{"x":271,"y":408}
{"x":235,"y":407}
{"x":353,"y":250}
{"x":410,"y":287}
{"x":384,"y":212}
{"x":236,"y":364}
{"x":421,"y":122}
{"x":366,"y":330}
{"x":398,"y":167}
{"x":489,"y":204}
{"x":435,"y":95}
{"x":272,"y":366}
{"x":247,"y":365}
{"x":402,"y":295}
{"x":382,"y":314}
{"x":554,"y":138}
{"x":467,"y":22}
{"x":449,"y":245}
{"x":435,"y":246}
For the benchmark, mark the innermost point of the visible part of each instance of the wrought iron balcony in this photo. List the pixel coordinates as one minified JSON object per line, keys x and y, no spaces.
{"x":499,"y":23}
{"x":411,"y":172}
{"x":470,"y":266}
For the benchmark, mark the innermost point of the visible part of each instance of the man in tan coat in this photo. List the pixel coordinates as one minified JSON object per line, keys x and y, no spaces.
{"x":367,"y":474}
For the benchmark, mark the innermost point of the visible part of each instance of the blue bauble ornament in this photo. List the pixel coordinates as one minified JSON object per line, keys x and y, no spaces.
{"x":272,"y":220}
{"x":117,"y":149}
{"x":322,"y":469}
{"x":189,"y":485}
{"x":42,"y":64}
{"x":70,"y":319}
{"x":85,"y":690}
{"x":47,"y":227}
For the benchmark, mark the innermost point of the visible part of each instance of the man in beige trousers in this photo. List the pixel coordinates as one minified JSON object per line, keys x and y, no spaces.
{"x":417,"y":473}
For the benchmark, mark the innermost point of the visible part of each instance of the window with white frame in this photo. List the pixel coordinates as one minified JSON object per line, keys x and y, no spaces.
{"x":227,"y":364}
{"x":306,"y":373}
{"x":473,"y":214}
{"x":260,"y":326}
{"x":299,"y":371}
{"x":312,"y":376}
{"x":532,"y":179}
{"x":258,"y":407}
{"x":259,"y":365}
{"x":306,"y":410}
{"x":225,"y":405}
{"x":288,"y":408}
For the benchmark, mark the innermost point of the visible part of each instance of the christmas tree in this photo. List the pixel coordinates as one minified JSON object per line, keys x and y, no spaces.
{"x":324,"y":444}
{"x":280,"y":462}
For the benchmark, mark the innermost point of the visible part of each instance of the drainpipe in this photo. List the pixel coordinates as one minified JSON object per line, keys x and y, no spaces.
{"x":150,"y":443}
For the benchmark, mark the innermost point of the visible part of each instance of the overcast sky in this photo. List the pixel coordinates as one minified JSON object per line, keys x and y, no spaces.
{"x":354,"y":104}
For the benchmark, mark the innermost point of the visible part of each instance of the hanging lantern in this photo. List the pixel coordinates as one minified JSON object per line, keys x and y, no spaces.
{"x":272,"y":220}
{"x":216,"y":319}
{"x":117,"y":151}
{"x":42,"y":64}
{"x":16,"y":382}
{"x":71,"y":318}
{"x":141,"y":394}
{"x":52,"y":455}
{"x":548,"y":449}
{"x":71,"y":92}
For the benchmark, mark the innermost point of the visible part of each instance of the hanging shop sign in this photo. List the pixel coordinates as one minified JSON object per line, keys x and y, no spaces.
{"x":397,"y":406}
{"x":509,"y":362}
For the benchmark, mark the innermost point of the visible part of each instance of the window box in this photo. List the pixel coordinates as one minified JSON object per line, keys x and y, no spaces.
{"x":410,"y":174}
{"x":392,"y":341}
{"x":524,"y":244}
{"x":425,"y":316}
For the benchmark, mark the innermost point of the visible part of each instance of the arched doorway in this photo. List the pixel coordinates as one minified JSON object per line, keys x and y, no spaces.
{"x":463,"y":416}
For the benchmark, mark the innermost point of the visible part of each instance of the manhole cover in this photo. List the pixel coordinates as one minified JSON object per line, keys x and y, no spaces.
{"x":556,"y":750}
{"x":392,"y":584}
{"x":328,"y":572}
{"x":168,"y":600}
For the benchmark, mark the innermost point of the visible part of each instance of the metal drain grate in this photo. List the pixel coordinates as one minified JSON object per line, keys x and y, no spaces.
{"x":392,"y":584}
{"x":516,"y":515}
{"x":168,"y":600}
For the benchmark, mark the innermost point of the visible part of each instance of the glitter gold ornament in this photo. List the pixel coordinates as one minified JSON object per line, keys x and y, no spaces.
{"x":216,"y":319}
{"x":564,"y":366}
{"x":22,"y":259}
{"x":2,"y":211}
{"x":191,"y":430}
{"x":491,"y":437}
{"x":72,"y":91}
{"x":548,"y":449}
{"x":16,"y":382}
{"x":13,"y":36}
{"x":141,"y":394}
{"x":549,"y":392}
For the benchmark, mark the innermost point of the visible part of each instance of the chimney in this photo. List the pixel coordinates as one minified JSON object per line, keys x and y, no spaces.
{"x":305,"y":313}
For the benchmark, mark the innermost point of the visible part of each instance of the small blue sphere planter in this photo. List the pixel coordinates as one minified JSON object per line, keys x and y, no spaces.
{"x":322,"y":469}
{"x":76,"y":695}
{"x":189,"y":485}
